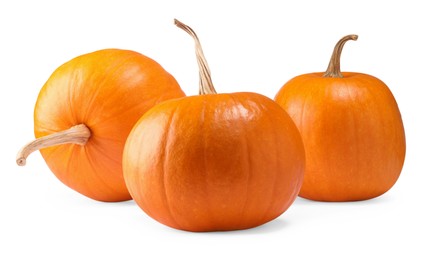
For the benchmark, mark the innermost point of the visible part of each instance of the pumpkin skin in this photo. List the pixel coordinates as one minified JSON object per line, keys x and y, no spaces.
{"x":352,"y":131}
{"x":108,"y":91}
{"x":214,"y":162}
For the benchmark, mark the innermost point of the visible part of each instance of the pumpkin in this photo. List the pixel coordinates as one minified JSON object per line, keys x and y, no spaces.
{"x":214,"y":162}
{"x":85,"y":111}
{"x":352,"y":131}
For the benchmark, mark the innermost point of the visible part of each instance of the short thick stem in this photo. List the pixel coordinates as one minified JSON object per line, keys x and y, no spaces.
{"x":334,"y":70}
{"x":205,"y":83}
{"x":78,"y":134}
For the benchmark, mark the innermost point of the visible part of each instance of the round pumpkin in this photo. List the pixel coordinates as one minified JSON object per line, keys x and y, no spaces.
{"x":85,"y":111}
{"x":352,"y":132}
{"x":214,"y":161}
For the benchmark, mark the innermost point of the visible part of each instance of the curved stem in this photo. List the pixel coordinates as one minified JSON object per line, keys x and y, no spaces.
{"x":334,"y":70}
{"x":205,"y":83}
{"x":78,"y":134}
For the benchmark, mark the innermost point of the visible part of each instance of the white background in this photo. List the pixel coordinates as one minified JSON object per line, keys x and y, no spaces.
{"x":250,"y":46}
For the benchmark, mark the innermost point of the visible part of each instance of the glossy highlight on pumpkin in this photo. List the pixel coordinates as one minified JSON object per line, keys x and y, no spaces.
{"x":352,"y":132}
{"x":104,"y":92}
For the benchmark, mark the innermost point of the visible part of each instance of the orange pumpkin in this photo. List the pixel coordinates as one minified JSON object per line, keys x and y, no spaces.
{"x":352,"y":132}
{"x":214,"y":161}
{"x":85,"y":112}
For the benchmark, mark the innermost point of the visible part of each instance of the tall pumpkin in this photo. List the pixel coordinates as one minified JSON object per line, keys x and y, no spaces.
{"x":214,"y":161}
{"x":352,"y":132}
{"x":85,"y":111}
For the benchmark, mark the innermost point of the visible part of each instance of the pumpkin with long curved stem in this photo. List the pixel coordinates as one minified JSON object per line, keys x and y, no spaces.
{"x":85,"y":112}
{"x":214,"y":161}
{"x":352,"y":132}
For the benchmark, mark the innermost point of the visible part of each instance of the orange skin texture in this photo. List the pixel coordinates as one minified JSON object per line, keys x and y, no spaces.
{"x":352,"y":132}
{"x":108,"y":91}
{"x":214,"y":162}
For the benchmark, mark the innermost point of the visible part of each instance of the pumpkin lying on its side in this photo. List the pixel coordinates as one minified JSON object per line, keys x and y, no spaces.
{"x":214,"y":161}
{"x":352,"y":132}
{"x":85,"y":112}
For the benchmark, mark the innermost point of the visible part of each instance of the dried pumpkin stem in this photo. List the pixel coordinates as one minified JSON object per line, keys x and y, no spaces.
{"x":334,"y":70}
{"x":78,"y":134}
{"x":205,"y":83}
